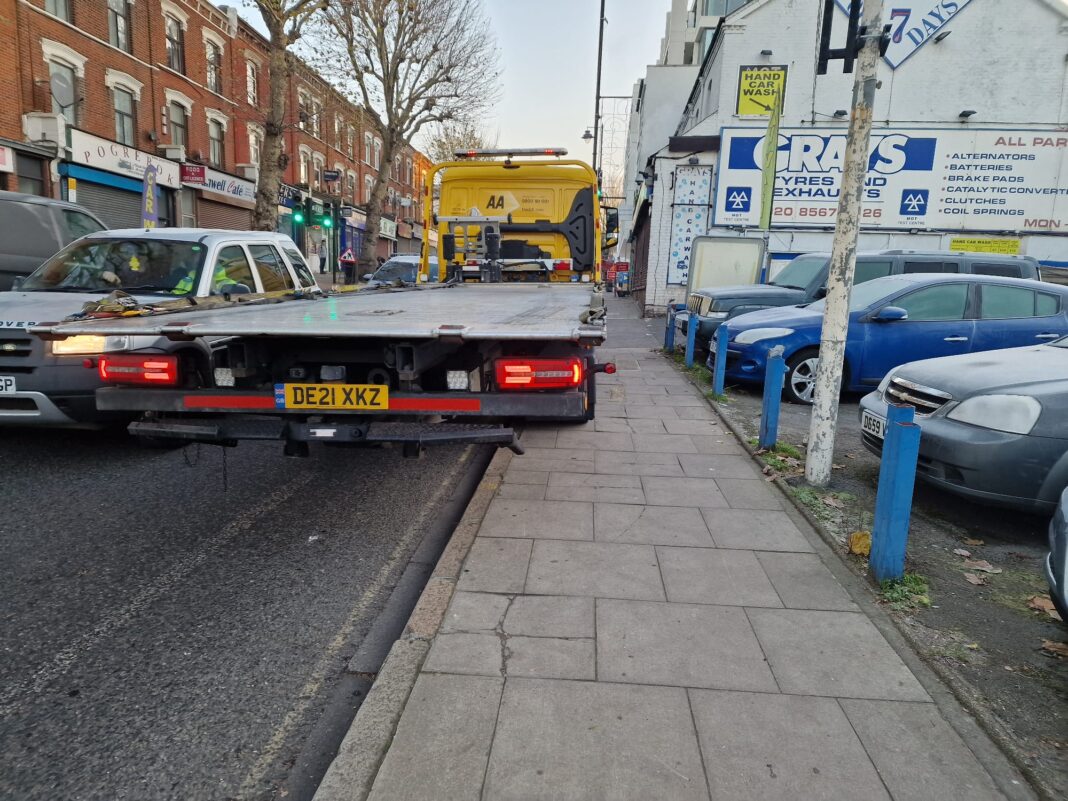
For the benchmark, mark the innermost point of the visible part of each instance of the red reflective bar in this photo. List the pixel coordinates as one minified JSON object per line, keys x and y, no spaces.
{"x":522,"y":374}
{"x":154,"y":369}
{"x":229,"y":402}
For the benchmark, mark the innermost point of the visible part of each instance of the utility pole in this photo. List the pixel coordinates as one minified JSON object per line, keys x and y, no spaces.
{"x":820,"y":459}
{"x":597,"y":98}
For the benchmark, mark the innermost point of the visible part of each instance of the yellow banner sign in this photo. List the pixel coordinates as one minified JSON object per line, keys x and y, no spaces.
{"x":1002,"y":247}
{"x":758,"y":86}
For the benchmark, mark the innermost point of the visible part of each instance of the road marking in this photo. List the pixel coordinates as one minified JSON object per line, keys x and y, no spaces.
{"x":12,"y":696}
{"x":310,"y":690}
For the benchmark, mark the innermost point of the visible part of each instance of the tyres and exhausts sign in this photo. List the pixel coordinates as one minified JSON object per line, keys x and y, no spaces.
{"x":975,"y":179}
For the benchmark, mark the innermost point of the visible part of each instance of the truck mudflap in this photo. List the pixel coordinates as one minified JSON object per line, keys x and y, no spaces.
{"x":413,"y":436}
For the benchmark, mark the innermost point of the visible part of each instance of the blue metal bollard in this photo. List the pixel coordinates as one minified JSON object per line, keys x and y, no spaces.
{"x":774,"y":376}
{"x":669,"y":330}
{"x":893,"y":505}
{"x":719,"y":375}
{"x":691,"y":339}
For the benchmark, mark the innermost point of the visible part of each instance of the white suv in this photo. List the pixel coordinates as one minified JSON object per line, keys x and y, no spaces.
{"x":53,"y":383}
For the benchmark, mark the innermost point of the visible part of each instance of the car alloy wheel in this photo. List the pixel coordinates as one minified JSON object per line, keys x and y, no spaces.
{"x":801,"y":378}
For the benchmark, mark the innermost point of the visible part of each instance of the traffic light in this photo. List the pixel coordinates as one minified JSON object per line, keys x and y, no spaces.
{"x":326,"y":221}
{"x":298,"y":216}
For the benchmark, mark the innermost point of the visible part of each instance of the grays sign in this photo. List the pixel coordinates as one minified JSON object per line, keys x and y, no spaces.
{"x":974,"y":179}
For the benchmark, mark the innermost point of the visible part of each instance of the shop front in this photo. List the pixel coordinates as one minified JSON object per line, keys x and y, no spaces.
{"x":288,"y":200}
{"x":353,"y":230}
{"x":406,"y":238}
{"x":387,"y":238}
{"x":222,"y":200}
{"x":107,"y":178}
{"x":24,"y":167}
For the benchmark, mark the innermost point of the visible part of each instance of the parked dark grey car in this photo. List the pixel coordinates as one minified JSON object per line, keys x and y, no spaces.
{"x":1057,"y":560}
{"x":804,"y":280}
{"x":995,"y":424}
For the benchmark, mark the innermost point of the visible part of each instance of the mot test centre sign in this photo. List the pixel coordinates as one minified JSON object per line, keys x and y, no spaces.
{"x":974,"y":180}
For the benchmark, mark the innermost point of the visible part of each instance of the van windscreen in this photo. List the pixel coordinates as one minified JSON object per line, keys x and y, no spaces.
{"x":800,"y":273}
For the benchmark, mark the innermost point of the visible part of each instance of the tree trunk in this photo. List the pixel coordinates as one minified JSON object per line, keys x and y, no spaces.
{"x":368,"y":261}
{"x":265,"y":217}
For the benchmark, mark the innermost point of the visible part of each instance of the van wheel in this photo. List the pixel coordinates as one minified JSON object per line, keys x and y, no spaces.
{"x":801,"y":376}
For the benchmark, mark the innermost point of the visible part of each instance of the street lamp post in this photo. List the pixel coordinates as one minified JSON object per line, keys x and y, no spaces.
{"x":597,"y":98}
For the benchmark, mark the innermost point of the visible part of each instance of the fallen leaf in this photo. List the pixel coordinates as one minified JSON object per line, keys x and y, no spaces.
{"x":972,"y":646}
{"x":973,"y":542}
{"x":849,"y":455}
{"x":1058,"y":648}
{"x":859,"y":542}
{"x":981,"y":564}
{"x":972,"y":578}
{"x":790,"y":461}
{"x":838,"y":466}
{"x":767,"y":470}
{"x":833,"y":502}
{"x":961,"y":552}
{"x":1042,"y":603}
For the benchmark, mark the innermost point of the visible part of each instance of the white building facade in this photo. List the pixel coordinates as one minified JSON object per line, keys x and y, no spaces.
{"x":969,"y":147}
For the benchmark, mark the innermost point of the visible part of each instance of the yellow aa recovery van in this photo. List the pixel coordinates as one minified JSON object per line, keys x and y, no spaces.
{"x":514,"y":215}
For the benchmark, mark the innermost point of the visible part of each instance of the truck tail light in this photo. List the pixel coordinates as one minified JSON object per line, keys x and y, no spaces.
{"x":564,"y":264}
{"x":149,"y":369}
{"x":533,"y":374}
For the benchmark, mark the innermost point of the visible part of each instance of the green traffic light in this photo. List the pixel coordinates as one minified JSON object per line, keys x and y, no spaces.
{"x":327,"y":222}
{"x":298,"y":216}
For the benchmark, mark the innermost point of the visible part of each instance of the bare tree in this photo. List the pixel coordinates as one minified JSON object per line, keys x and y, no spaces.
{"x":414,"y":63}
{"x":448,"y":137}
{"x":285,"y":21}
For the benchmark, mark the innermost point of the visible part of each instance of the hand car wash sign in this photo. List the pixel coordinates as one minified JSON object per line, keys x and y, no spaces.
{"x":914,"y":23}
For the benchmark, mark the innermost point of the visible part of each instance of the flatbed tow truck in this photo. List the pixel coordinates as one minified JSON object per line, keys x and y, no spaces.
{"x":413,"y":366}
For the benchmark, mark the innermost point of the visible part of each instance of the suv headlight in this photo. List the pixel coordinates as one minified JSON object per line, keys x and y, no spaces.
{"x":715,"y":315}
{"x":85,"y":344}
{"x":886,"y":381}
{"x":1013,"y":414}
{"x":758,"y":334}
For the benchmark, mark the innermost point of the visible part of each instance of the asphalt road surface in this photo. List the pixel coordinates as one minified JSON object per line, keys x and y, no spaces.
{"x":176,"y":625}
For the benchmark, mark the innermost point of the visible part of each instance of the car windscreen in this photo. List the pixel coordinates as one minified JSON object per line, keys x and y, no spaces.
{"x":132,"y":265}
{"x":396,"y":271}
{"x":869,"y":293}
{"x":800,"y":273}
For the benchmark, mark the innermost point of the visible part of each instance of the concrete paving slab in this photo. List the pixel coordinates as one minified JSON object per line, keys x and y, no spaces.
{"x":701,"y":427}
{"x":591,"y":487}
{"x":526,"y":492}
{"x":575,"y":741}
{"x":474,"y":612}
{"x":517,"y":475}
{"x":715,"y":576}
{"x":550,"y":616}
{"x":549,"y":464}
{"x":449,"y":723}
{"x":594,"y":569}
{"x":539,"y":438}
{"x":664,"y":443}
{"x":550,"y":658}
{"x":645,"y":389}
{"x":695,"y":413}
{"x":680,"y":401}
{"x":711,"y":466}
{"x":621,"y":425}
{"x":696,"y":492}
{"x":918,"y":755}
{"x":804,"y":582}
{"x":634,"y":463}
{"x":558,"y":519}
{"x":642,"y":412}
{"x":723,"y":443}
{"x":755,"y":530}
{"x":595,"y":441}
{"x":650,"y":525}
{"x":680,"y":645}
{"x":749,"y":493}
{"x":838,"y":654}
{"x":610,"y":409}
{"x":466,"y":654}
{"x":762,"y":747}
{"x":495,"y":565}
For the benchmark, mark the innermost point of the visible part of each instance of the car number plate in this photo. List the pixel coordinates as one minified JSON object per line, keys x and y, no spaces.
{"x":873,"y":424}
{"x":354,"y":397}
{"x":7,"y":384}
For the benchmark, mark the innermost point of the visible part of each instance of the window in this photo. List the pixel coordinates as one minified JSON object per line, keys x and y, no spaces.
{"x":367,"y":148}
{"x":408,"y":172}
{"x":78,"y":224}
{"x":1004,"y":302}
{"x":316,"y":119}
{"x":179,"y":124}
{"x":338,"y":127}
{"x":318,"y":165}
{"x":30,"y":173}
{"x":119,"y":23}
{"x":252,"y":82}
{"x":214,"y":61}
{"x":231,"y":267}
{"x":175,"y":44}
{"x":396,"y":174}
{"x":255,"y":146}
{"x":352,"y":186}
{"x":378,"y":154}
{"x":216,"y":143}
{"x":934,"y":303}
{"x":350,"y":142}
{"x":1002,"y":270}
{"x":303,"y":111}
{"x":868,"y":270}
{"x":124,"y":116}
{"x":305,"y":167}
{"x":301,"y":268}
{"x":272,"y":270}
{"x":1047,"y":305}
{"x":931,"y":267}
{"x":58,"y":8}
{"x":368,"y":185}
{"x":70,"y":113}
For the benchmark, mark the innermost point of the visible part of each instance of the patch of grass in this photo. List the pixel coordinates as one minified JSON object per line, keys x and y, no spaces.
{"x":909,"y":592}
{"x":718,"y":398}
{"x":786,"y":449}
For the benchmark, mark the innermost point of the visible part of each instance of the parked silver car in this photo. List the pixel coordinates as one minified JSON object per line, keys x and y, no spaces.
{"x":1057,"y":560}
{"x":54,"y":383}
{"x":995,"y":424}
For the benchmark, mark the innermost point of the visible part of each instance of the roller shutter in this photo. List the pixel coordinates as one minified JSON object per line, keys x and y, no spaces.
{"x":222,"y":215}
{"x":117,"y":208}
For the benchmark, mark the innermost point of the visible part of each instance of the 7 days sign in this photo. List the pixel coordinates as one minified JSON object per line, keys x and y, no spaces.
{"x":914,"y":23}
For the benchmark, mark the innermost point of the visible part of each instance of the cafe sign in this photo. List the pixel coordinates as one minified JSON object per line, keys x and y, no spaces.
{"x":103,"y":154}
{"x":220,"y":183}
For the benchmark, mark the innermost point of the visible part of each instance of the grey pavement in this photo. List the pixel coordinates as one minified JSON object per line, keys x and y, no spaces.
{"x":640,"y":617}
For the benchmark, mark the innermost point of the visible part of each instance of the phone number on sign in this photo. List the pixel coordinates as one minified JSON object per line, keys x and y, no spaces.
{"x":819,"y":212}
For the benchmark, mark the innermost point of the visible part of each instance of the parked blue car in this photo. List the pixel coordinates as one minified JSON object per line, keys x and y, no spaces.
{"x":896,"y":320}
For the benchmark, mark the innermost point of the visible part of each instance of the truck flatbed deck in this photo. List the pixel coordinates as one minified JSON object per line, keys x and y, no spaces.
{"x":545,"y":312}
